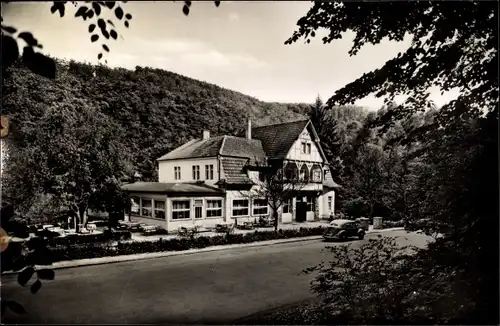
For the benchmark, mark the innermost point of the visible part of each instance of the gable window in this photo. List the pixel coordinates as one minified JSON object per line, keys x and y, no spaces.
{"x":146,"y":207}
{"x":316,"y":174}
{"x":260,"y":207}
{"x":198,"y":208}
{"x":287,"y":206}
{"x":308,"y":148}
{"x":262,"y":177}
{"x":240,"y":207}
{"x":159,"y":209}
{"x":310,"y":204}
{"x":209,"y":172}
{"x":214,"y":208}
{"x":329,"y":203}
{"x":181,"y":209}
{"x":304,"y":147}
{"x":177,"y":172}
{"x":196,"y":172}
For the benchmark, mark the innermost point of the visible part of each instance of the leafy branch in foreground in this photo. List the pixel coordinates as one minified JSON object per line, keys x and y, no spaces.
{"x":22,"y":258}
{"x":376,"y":283}
{"x":453,"y":47}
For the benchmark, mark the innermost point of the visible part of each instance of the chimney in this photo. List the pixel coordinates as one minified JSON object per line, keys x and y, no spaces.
{"x":206,"y":134}
{"x":249,"y":129}
{"x":137,"y":177}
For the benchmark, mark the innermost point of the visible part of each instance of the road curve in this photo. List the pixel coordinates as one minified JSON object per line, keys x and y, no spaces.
{"x":206,"y":288}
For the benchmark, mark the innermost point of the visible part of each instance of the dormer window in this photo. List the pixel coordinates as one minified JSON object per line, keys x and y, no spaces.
{"x":177,"y":172}
{"x":209,"y":171}
{"x":196,"y":172}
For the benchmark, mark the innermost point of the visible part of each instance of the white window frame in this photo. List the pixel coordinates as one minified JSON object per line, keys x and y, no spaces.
{"x":311,"y":201}
{"x":196,"y":172}
{"x":316,"y":175}
{"x":209,"y":172}
{"x":304,"y":147}
{"x":198,"y":203}
{"x":330,"y":201}
{"x":181,"y":210}
{"x":308,"y":146}
{"x":150,"y":208}
{"x":240,"y":208}
{"x":254,"y":207}
{"x":213,"y":209}
{"x":177,"y":172}
{"x":159,"y":209}
{"x":288,"y":204}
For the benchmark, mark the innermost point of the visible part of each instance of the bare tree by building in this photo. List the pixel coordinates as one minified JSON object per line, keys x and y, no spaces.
{"x":274,"y":185}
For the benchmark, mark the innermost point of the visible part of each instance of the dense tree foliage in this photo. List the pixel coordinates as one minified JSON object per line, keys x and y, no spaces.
{"x":72,"y":152}
{"x":147,"y":111}
{"x":326,"y":126}
{"x":443,"y":162}
{"x":453,"y":46}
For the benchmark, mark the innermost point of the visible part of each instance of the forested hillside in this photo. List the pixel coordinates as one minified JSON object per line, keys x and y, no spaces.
{"x":155,"y":110}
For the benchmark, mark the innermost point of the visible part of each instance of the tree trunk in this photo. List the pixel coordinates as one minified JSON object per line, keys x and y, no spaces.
{"x":77,"y":223}
{"x":75,"y":219}
{"x":82,"y":213}
{"x":372,"y":209}
{"x":275,"y":220}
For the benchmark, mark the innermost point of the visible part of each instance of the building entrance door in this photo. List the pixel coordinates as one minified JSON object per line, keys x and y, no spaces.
{"x":300,"y":211}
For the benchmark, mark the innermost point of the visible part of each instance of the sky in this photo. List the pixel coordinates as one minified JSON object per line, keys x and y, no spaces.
{"x":239,"y":46}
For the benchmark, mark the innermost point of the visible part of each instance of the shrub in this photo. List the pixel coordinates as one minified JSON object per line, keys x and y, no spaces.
{"x":392,"y":224}
{"x":101,"y":245}
{"x":218,"y":240}
{"x":373,"y":284}
{"x":356,"y":207}
{"x":73,"y":239}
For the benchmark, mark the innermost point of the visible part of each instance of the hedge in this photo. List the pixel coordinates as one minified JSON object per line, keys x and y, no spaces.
{"x":392,"y":224}
{"x":62,"y":252}
{"x":72,"y":239}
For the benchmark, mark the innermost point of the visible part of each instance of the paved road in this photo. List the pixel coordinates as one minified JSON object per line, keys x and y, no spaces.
{"x":210,"y":287}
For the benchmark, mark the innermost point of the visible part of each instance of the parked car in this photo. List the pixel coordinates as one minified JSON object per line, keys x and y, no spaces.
{"x":343,"y":230}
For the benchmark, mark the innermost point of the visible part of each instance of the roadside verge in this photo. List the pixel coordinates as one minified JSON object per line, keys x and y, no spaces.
{"x":143,"y":256}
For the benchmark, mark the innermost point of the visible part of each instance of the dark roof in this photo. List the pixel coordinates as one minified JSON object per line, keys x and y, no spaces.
{"x":242,"y":147}
{"x":277,"y":139}
{"x":211,"y":147}
{"x":171,"y":188}
{"x":233,"y":169}
{"x":328,"y":181}
{"x":196,"y":148}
